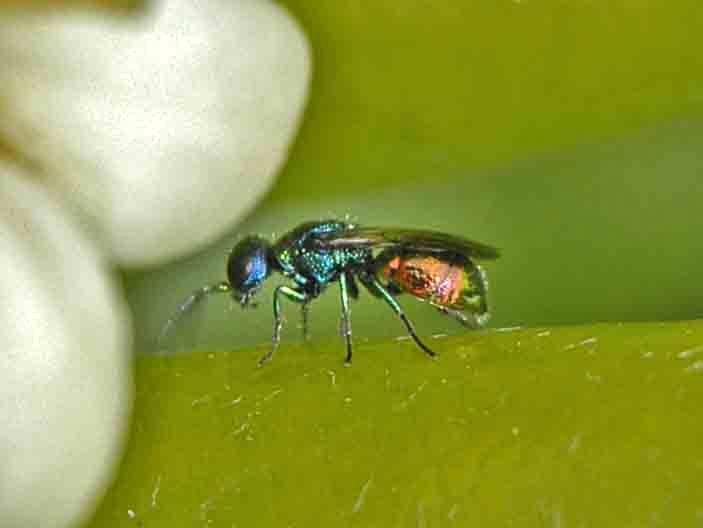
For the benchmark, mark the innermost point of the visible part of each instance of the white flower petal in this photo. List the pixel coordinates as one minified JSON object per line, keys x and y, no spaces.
{"x":163,"y":129}
{"x":65,"y":375}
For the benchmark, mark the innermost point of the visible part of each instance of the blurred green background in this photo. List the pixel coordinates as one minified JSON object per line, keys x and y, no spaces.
{"x":566,"y":133}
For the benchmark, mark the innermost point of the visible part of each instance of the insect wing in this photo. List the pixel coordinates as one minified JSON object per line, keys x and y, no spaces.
{"x":415,"y":240}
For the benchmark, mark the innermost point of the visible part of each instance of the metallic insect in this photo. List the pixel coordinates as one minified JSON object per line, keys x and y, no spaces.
{"x":432,"y":266}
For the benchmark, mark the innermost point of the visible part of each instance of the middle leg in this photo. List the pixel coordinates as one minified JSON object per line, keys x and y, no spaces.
{"x":304,"y":316}
{"x":346,"y":316}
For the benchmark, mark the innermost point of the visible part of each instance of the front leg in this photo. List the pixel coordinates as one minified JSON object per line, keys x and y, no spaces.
{"x":291,"y":294}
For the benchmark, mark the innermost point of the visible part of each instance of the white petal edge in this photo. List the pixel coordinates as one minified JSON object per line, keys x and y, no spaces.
{"x":164,"y":129}
{"x":65,"y":365}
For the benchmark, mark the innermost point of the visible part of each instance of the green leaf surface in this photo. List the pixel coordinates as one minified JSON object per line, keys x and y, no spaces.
{"x":575,"y":426}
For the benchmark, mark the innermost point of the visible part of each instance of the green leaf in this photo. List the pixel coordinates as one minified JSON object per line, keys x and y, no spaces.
{"x":575,"y":426}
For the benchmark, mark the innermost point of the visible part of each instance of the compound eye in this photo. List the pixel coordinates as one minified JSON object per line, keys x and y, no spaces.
{"x":248,"y":266}
{"x":255,"y":271}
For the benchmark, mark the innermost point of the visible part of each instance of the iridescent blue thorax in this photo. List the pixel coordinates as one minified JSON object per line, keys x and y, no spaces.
{"x":300,"y":258}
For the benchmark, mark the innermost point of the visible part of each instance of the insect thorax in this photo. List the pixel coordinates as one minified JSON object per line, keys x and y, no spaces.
{"x":305,"y":262}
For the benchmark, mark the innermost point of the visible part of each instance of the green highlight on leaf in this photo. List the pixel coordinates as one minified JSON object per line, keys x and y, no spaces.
{"x":595,"y":425}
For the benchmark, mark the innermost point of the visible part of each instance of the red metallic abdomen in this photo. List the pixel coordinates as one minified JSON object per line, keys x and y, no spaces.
{"x":427,"y":277}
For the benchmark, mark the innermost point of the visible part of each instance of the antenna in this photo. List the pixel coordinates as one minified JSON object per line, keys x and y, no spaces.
{"x":187,"y":306}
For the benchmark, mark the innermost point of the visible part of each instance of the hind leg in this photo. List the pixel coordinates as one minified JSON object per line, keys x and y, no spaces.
{"x":474,"y":306}
{"x":469,"y":320}
{"x":378,"y":290}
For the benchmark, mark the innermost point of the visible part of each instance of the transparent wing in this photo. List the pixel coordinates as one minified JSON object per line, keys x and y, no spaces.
{"x":411,"y":239}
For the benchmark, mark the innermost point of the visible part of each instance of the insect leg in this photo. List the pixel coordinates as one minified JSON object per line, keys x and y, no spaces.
{"x":469,"y":321}
{"x":346,"y":315}
{"x":304,"y":311}
{"x":372,"y":283}
{"x":352,"y":287}
{"x":187,"y":305}
{"x":475,"y":313}
{"x":291,"y":294}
